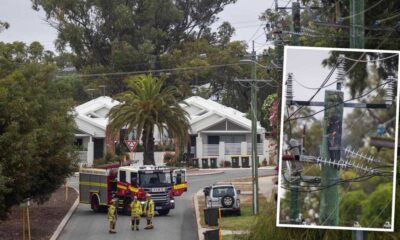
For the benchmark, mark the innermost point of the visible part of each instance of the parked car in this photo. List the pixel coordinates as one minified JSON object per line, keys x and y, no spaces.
{"x":224,"y":196}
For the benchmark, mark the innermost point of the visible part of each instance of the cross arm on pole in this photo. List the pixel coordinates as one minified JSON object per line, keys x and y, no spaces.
{"x":347,"y":105}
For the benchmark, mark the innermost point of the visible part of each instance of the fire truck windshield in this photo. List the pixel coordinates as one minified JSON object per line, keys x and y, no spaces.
{"x":155,"y":179}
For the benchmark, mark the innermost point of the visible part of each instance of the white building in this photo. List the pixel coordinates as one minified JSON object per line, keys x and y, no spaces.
{"x":91,"y":121}
{"x":217,"y":132}
{"x":221,"y":132}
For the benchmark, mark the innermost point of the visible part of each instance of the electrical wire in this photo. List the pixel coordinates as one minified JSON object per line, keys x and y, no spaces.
{"x":334,"y":105}
{"x":372,"y":60}
{"x":316,"y":88}
{"x":389,"y":18}
{"x":258,"y":29}
{"x":319,"y":89}
{"x":376,"y":217}
{"x":155,"y":70}
{"x":337,"y":205}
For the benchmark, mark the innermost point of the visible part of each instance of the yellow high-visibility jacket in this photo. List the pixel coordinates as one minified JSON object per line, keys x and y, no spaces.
{"x":149,"y":207}
{"x":112,"y":213}
{"x":136,"y":209}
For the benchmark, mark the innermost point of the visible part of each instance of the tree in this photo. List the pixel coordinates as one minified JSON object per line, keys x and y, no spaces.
{"x":36,"y":131}
{"x":148,"y":104}
{"x":96,"y":31}
{"x":4,"y":25}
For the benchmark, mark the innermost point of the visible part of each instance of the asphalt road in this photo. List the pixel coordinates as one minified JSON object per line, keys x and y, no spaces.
{"x":179,"y":224}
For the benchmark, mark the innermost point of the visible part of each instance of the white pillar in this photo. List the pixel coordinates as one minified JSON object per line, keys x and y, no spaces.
{"x":221,"y":152}
{"x":243,"y":148}
{"x":199,"y":146}
{"x":90,"y":152}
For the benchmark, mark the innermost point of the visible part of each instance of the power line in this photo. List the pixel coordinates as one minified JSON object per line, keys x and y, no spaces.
{"x":155,"y":70}
{"x":258,"y":29}
{"x":319,"y":89}
{"x":376,"y":217}
{"x":301,"y":117}
{"x":372,"y":60}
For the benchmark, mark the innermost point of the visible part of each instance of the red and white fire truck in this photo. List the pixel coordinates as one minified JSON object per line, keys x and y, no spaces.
{"x":97,"y":186}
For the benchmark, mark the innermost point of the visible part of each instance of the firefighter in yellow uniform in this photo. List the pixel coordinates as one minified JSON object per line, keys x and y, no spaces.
{"x":112,"y":216}
{"x":136,"y":212}
{"x":149,"y":211}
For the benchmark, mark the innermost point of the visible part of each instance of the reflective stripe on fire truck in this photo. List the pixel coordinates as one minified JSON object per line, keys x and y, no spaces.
{"x":180,"y":186}
{"x":132,"y":189}
{"x":92,"y":184}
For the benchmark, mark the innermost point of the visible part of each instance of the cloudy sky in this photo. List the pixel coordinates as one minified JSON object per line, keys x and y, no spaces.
{"x":28,"y":25}
{"x":305,"y":64}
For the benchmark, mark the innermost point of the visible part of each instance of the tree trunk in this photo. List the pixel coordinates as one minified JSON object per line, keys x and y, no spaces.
{"x":148,"y":147}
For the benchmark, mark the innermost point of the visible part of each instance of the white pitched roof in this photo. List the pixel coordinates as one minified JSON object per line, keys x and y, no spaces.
{"x":91,"y":117}
{"x":209,"y":107}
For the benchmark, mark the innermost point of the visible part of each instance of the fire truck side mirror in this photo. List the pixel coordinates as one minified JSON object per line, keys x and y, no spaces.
{"x":178,"y":178}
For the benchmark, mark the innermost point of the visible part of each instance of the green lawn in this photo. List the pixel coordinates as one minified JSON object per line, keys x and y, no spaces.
{"x":243,"y":222}
{"x":229,"y":237}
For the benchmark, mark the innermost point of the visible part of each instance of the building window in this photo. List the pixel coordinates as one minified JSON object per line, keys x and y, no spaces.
{"x":78,"y":142}
{"x":213,"y":139}
{"x":258,"y":138}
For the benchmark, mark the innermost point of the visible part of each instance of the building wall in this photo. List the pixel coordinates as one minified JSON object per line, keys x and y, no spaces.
{"x":158,"y":158}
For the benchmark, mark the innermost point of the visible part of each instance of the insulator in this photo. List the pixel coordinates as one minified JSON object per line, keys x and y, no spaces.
{"x":340,"y":21}
{"x":341,"y":73}
{"x":387,"y":225}
{"x":376,"y":24}
{"x":389,"y":91}
{"x":289,"y":89}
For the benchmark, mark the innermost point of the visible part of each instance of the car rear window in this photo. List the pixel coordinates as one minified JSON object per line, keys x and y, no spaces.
{"x":222,"y":191}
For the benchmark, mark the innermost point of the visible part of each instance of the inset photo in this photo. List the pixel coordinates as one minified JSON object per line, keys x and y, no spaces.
{"x":339,"y":139}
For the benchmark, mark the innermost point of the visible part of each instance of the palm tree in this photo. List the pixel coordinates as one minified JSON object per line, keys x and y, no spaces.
{"x":149,"y":103}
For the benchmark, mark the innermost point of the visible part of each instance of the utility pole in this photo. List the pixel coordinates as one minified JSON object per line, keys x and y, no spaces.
{"x":296,"y":22}
{"x":356,"y":23}
{"x":253,"y":106}
{"x":357,"y":41}
{"x":254,"y":157}
{"x":331,"y":147}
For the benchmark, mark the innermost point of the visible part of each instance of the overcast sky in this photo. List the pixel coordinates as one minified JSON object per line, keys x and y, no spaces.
{"x":305,"y":64}
{"x":28,"y":25}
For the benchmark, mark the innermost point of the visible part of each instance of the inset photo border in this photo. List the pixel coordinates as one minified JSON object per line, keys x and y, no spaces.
{"x":339,"y":139}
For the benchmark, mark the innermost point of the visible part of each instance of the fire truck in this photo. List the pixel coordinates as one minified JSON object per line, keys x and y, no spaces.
{"x":97,"y":186}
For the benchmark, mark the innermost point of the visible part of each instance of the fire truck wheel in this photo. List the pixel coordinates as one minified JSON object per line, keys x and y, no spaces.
{"x":95,"y":205}
{"x":163,"y":212}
